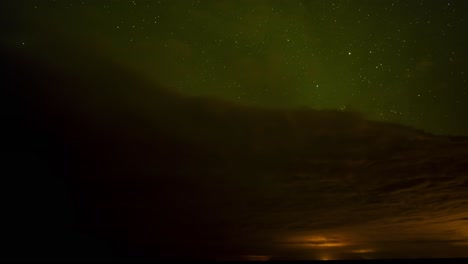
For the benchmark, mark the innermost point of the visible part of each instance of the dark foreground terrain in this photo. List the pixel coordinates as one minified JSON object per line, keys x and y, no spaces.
{"x":99,"y":163}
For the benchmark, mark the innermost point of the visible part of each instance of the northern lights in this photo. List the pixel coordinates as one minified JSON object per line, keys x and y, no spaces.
{"x":234,"y":129}
{"x":398,"y":61}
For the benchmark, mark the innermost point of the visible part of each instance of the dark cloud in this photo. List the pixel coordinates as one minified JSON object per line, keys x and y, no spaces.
{"x":153,"y":173}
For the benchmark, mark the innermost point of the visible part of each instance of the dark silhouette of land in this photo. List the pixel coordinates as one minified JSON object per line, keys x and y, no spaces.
{"x":99,"y":163}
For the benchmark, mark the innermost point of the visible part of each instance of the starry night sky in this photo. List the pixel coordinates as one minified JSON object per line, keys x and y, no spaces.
{"x":398,"y":61}
{"x":234,"y":129}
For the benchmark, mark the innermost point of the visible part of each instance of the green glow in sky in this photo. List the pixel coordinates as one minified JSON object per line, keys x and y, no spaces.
{"x":98,"y":102}
{"x":398,"y":61}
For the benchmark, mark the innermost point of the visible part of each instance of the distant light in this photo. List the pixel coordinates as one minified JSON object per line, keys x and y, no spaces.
{"x":325,"y":257}
{"x":349,"y":53}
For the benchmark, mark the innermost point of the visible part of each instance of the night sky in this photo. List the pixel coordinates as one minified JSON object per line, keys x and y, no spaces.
{"x":399,"y":61}
{"x":234,"y":129}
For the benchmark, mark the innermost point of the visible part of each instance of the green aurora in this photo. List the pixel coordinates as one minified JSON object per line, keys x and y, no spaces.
{"x":397,"y":61}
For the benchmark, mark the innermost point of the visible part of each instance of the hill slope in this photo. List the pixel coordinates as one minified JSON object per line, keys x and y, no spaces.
{"x":110,"y":163}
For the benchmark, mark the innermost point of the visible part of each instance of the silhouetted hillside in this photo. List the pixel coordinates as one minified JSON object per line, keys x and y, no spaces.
{"x":101,"y":163}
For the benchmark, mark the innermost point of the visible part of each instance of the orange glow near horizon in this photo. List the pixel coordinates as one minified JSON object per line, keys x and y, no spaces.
{"x":363,"y":251}
{"x":325,"y":257}
{"x":319,"y":241}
